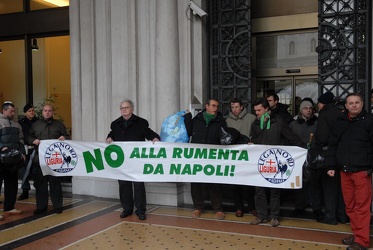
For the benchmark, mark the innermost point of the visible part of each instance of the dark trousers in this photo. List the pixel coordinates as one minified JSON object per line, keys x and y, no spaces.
{"x":214,"y":194}
{"x":239,"y":197}
{"x":132,"y":196}
{"x":41,"y":188}
{"x":261,"y":203}
{"x":327,"y":189}
{"x":10,"y":179}
{"x":26,"y":185}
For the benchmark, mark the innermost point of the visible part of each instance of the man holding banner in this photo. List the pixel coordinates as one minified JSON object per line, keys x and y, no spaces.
{"x":129,"y":127}
{"x":43,"y":129}
{"x":270,"y":129}
{"x":205,"y":128}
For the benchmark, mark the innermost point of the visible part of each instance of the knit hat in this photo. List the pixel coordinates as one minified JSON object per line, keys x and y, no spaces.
{"x":326,"y":98}
{"x":305,"y":104}
{"x":27,"y":107}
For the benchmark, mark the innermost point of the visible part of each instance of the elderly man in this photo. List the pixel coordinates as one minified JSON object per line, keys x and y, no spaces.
{"x":43,"y":129}
{"x":130,"y":127}
{"x":350,"y":152}
{"x":11,"y":137}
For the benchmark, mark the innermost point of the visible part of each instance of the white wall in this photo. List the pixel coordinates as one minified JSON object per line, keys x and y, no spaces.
{"x":145,"y":50}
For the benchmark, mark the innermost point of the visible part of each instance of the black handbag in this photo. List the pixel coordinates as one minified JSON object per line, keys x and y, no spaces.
{"x":316,"y":157}
{"x":10,"y":157}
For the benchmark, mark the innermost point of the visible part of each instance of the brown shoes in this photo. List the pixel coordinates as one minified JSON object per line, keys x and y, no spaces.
{"x":220,"y":215}
{"x":239,"y":213}
{"x":196,"y":213}
{"x":257,"y":221}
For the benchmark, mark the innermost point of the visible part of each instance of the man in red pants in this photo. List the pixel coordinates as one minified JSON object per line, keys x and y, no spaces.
{"x":350,"y":151}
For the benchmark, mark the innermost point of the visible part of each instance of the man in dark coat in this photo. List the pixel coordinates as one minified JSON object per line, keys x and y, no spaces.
{"x":321,"y":185}
{"x":26,"y":123}
{"x":205,"y":128}
{"x":350,"y":152}
{"x":278,"y":108}
{"x":130,"y":127}
{"x":269,"y":129}
{"x":43,"y":129}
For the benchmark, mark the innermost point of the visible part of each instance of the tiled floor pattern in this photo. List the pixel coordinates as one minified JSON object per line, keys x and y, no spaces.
{"x":89,"y":223}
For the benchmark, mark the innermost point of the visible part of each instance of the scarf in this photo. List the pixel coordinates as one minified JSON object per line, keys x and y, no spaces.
{"x":208,"y":117}
{"x":265,"y":118}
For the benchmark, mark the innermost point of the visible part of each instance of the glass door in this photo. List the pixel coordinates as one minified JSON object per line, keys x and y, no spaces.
{"x":290,"y":90}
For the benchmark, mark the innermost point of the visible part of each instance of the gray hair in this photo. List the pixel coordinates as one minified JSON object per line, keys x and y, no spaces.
{"x":129,"y":101}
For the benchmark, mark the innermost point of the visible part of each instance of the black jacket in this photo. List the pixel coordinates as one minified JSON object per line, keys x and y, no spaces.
{"x":282,"y":111}
{"x":26,"y":125}
{"x":304,"y":128}
{"x":136,"y":129}
{"x":328,"y":115}
{"x":278,"y":134}
{"x":350,"y":145}
{"x":202,"y":133}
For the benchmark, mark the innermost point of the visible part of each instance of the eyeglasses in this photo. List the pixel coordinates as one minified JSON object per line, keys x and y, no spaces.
{"x":125,"y":108}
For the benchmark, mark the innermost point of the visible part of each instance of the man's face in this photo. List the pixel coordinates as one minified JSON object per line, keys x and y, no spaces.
{"x":30,"y":113}
{"x":47,"y":112}
{"x":260,"y":110}
{"x":272,"y":102}
{"x":212,"y":108}
{"x":9,"y":112}
{"x":236,"y":108}
{"x":354,"y":105}
{"x":307,"y":112}
{"x":126,"y":109}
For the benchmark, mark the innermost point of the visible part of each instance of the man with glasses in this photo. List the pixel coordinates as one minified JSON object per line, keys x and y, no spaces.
{"x":205,"y":128}
{"x":130,"y":127}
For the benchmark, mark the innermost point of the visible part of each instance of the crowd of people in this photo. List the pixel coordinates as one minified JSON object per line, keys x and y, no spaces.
{"x":339,"y":191}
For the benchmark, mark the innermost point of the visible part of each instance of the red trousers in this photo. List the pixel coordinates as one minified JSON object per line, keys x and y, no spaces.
{"x":357,"y":194}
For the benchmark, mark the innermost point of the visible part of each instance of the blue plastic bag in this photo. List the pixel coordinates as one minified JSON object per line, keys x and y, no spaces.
{"x":173,"y":128}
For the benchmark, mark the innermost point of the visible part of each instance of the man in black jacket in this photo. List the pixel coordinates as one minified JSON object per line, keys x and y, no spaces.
{"x":321,"y":185}
{"x":269,"y":129}
{"x":130,"y":127}
{"x":350,"y":152}
{"x":278,"y":108}
{"x":26,"y":123}
{"x":205,"y":128}
{"x":43,"y":129}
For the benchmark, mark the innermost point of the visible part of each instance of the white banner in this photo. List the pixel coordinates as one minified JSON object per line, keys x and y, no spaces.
{"x":256,"y":165}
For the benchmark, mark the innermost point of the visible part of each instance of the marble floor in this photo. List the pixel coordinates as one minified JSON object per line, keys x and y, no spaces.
{"x":94,"y":223}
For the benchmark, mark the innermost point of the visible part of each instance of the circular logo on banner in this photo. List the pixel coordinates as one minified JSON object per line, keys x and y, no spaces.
{"x":61,"y":157}
{"x":276,"y":165}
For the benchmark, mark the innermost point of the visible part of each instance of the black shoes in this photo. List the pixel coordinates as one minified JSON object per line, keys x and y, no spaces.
{"x":348,"y":240}
{"x":58,"y":210}
{"x":356,"y":246}
{"x":40,"y":210}
{"x":142,"y":216}
{"x":23,"y":196}
{"x":124,"y":214}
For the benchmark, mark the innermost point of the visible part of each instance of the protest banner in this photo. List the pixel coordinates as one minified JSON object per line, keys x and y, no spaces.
{"x":256,"y":165}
